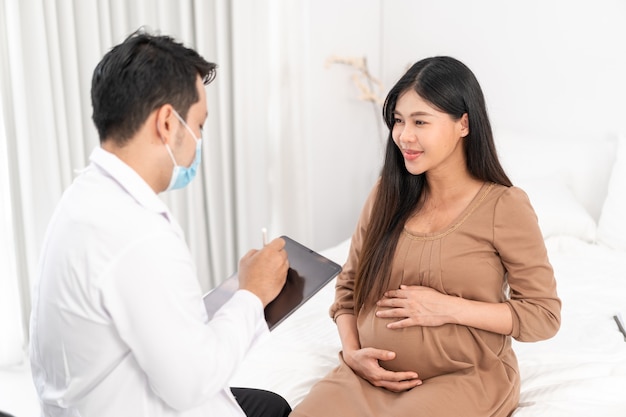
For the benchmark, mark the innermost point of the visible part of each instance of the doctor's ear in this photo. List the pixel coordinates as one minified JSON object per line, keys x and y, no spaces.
{"x":165,"y":124}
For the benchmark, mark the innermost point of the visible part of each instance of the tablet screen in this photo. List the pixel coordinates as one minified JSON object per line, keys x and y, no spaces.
{"x":308,"y":273}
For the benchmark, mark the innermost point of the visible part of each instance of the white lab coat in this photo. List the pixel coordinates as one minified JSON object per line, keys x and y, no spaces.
{"x":118,"y":326}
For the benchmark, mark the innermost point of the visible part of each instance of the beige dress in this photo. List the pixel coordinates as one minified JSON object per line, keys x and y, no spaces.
{"x":492,"y":252}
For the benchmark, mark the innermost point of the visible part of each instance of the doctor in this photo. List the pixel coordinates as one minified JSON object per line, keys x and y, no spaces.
{"x":118,"y":327}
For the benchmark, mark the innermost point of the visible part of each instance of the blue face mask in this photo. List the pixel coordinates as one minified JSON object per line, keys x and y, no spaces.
{"x":181,"y":176}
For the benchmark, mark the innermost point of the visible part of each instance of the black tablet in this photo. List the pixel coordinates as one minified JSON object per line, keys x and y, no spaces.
{"x":308,"y":273}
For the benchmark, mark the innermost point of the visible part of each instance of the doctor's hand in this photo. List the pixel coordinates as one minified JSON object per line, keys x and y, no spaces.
{"x":365,"y":363}
{"x":417,"y":306}
{"x":263,"y":272}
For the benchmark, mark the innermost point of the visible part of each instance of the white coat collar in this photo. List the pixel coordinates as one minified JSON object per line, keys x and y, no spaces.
{"x":130,"y":180}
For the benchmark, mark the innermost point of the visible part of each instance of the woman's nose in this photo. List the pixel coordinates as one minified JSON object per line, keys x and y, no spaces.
{"x":407,"y":135}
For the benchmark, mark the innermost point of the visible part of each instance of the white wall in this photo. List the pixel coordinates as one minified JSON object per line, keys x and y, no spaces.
{"x":553,"y":69}
{"x":552,"y":66}
{"x":346,"y":149}
{"x":309,"y":149}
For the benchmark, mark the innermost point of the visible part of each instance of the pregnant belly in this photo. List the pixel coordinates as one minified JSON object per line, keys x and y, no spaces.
{"x":429,"y":351}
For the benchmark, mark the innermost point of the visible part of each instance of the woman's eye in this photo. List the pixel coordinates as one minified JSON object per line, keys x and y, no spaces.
{"x":396,"y":121}
{"x":419,"y":122}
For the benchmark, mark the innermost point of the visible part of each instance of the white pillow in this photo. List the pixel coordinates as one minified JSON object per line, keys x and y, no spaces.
{"x":582,"y":163}
{"x":558,"y":211}
{"x":612,"y":223}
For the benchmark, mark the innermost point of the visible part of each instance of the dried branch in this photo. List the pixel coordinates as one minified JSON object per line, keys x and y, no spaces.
{"x":370,"y":87}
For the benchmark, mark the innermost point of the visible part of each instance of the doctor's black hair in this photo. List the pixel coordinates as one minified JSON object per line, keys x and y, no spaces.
{"x":139,"y":75}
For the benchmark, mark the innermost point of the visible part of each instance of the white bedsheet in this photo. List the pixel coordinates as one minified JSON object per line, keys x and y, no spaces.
{"x":579,"y":372}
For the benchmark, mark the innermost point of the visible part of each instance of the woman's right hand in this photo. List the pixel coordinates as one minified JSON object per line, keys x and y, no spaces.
{"x":365,"y":363}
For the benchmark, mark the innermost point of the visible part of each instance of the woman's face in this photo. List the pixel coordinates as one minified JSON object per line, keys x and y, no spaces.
{"x":430,"y":140}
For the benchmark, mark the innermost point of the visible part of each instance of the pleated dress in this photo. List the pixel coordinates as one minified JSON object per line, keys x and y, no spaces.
{"x":493,"y":252}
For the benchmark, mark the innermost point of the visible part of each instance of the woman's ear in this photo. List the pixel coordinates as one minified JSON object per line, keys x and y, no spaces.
{"x":465,"y":129}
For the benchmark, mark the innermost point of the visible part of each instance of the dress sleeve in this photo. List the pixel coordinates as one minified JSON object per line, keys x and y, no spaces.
{"x":534,"y":303}
{"x":344,"y":288}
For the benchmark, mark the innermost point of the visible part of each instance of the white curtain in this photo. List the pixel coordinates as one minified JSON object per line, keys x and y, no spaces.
{"x":11,"y":332}
{"x":270,"y":62}
{"x":48,"y":50}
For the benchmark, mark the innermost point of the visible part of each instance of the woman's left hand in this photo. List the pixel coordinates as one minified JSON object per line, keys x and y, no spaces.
{"x":417,"y":306}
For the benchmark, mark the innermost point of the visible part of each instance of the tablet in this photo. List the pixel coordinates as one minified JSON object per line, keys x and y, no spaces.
{"x":308,"y":273}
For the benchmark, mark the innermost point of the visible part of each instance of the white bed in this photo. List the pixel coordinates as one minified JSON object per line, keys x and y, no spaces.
{"x":578,"y":188}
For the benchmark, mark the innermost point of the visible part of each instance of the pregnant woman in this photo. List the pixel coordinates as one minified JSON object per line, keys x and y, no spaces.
{"x":447,"y":265}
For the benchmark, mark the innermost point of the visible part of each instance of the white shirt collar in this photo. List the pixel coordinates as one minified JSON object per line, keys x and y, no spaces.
{"x":130,"y":180}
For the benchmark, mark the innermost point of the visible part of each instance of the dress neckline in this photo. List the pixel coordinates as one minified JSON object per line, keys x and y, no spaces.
{"x":460,"y":219}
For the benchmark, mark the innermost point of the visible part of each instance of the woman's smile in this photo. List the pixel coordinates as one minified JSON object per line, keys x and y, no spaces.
{"x":410,"y":154}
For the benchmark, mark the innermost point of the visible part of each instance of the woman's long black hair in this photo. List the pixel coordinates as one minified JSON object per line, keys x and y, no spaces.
{"x":450,"y":86}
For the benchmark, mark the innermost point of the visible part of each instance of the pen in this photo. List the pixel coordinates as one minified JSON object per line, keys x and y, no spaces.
{"x":264,"y":233}
{"x":620,"y":325}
